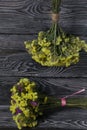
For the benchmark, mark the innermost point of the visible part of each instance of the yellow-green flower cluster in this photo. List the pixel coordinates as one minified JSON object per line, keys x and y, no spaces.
{"x":59,"y":50}
{"x":54,"y":47}
{"x":28,"y":102}
{"x":25,"y":103}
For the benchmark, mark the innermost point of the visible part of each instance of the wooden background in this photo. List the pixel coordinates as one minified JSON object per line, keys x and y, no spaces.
{"x":21,"y":20}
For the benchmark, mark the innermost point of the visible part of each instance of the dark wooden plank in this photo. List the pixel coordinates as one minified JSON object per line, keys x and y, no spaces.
{"x":6,"y":117}
{"x":14,"y":43}
{"x":16,"y":63}
{"x":31,"y":16}
{"x":72,"y":119}
{"x":11,"y":43}
{"x":53,"y":86}
{"x":73,"y":16}
{"x":24,"y":17}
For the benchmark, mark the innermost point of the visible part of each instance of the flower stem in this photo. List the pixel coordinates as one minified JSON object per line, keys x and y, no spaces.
{"x":55,"y":6}
{"x":77,"y":102}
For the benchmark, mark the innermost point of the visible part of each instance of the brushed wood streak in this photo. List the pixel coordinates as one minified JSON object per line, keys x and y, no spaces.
{"x":59,"y":87}
{"x":64,"y":118}
{"x":21,"y":64}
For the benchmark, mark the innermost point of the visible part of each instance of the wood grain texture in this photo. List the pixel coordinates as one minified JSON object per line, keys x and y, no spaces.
{"x":23,"y":17}
{"x":29,"y":17}
{"x":74,"y":17}
{"x":15,"y":43}
{"x":16,"y":63}
{"x":21,"y":20}
{"x":51,"y":86}
{"x":62,"y":118}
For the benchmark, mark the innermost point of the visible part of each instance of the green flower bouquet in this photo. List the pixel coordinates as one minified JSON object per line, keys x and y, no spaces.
{"x":28,"y":103}
{"x":55,"y":47}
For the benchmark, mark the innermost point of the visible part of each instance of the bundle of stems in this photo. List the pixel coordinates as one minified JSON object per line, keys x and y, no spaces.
{"x":55,"y":47}
{"x":28,"y":102}
{"x":77,"y":102}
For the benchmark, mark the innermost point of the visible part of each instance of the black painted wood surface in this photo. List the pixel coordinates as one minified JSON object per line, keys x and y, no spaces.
{"x":21,"y":20}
